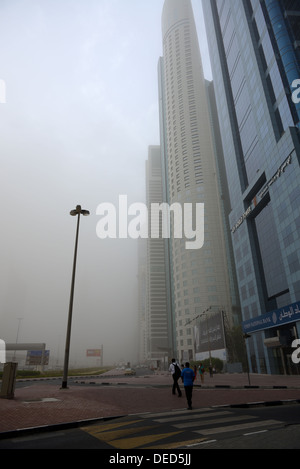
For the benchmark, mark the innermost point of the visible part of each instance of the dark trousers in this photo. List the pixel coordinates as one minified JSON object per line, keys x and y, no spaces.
{"x":176,"y":386}
{"x":188,"y":393}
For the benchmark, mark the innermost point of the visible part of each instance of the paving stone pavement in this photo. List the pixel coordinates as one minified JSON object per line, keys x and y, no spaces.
{"x":40,"y":403}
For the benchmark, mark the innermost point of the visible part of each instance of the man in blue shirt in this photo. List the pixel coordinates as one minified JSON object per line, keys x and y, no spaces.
{"x":188,"y":377}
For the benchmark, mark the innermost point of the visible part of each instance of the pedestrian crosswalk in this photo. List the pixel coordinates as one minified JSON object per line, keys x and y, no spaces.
{"x":211,"y":421}
{"x":178,"y":428}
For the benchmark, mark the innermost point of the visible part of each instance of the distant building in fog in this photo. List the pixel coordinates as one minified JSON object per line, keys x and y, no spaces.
{"x":142,"y":300}
{"x":158,"y":311}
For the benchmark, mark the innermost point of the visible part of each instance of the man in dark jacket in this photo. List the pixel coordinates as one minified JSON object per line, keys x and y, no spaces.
{"x":188,"y":377}
{"x":176,"y":373}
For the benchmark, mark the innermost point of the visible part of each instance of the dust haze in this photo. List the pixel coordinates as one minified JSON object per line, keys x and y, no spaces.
{"x":81,"y":109}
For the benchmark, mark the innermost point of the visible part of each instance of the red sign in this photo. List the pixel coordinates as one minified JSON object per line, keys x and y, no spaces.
{"x":94,"y":352}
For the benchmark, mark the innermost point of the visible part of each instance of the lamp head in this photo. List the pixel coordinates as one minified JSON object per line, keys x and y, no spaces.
{"x":79,"y":211}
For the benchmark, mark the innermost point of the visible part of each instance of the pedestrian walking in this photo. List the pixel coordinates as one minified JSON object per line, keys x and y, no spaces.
{"x":201,"y":372}
{"x":188,"y":377}
{"x":175,"y":370}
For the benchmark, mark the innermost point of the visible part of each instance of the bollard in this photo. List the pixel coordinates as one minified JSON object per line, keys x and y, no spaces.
{"x":8,"y":380}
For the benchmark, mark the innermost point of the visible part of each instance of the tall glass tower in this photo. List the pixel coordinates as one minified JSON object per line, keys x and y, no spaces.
{"x":200,"y":278}
{"x":158,"y":322}
{"x":254,"y":49}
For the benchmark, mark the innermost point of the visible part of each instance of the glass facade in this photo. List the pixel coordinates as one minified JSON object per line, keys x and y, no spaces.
{"x":254,"y":49}
{"x":158,"y":326}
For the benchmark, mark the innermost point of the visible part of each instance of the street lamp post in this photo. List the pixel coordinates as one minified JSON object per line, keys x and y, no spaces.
{"x":19,"y":319}
{"x":208,"y":338}
{"x":77,"y":212}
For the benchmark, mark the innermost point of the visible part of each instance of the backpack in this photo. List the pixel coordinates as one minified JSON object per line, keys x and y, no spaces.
{"x":177,"y":372}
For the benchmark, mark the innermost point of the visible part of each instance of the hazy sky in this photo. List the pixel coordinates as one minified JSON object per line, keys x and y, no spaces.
{"x":81,"y":110}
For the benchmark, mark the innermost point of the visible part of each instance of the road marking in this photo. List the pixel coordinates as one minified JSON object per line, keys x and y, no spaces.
{"x":213,"y":421}
{"x":117,"y":436}
{"x":207,"y":421}
{"x":255,"y":433}
{"x":231,"y":428}
{"x":192,"y":417}
{"x":131,"y":443}
{"x":174,"y":413}
{"x":95,"y":429}
{"x":179,"y":444}
{"x":207,"y":441}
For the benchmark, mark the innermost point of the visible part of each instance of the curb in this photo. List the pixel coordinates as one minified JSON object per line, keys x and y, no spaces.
{"x":84,"y":381}
{"x":54,"y":427}
{"x":216,"y":386}
{"x":260,"y":404}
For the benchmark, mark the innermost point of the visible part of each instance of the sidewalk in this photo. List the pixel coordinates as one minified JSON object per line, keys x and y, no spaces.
{"x":42,"y":404}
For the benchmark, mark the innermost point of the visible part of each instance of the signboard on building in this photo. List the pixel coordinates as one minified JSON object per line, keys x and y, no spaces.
{"x":37,"y":357}
{"x":275,"y":318}
{"x":94,"y":352}
{"x":209,"y":334}
{"x":263,"y":192}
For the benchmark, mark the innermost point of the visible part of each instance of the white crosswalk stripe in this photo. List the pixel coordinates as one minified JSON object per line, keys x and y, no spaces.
{"x":210,"y":421}
{"x":173,"y":413}
{"x":191,"y":417}
{"x":241,"y":426}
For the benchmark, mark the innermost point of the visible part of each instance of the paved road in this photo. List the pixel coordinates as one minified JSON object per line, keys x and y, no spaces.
{"x":206,"y":428}
{"x":215,"y":422}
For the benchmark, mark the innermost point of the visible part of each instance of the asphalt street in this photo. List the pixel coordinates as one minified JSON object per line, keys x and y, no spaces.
{"x":220,"y":427}
{"x":116,"y":413}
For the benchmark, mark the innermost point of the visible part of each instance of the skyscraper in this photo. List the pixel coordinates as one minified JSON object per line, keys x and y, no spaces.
{"x":142,"y":300}
{"x":254,"y":48}
{"x":200,"y":279}
{"x":158,"y":312}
